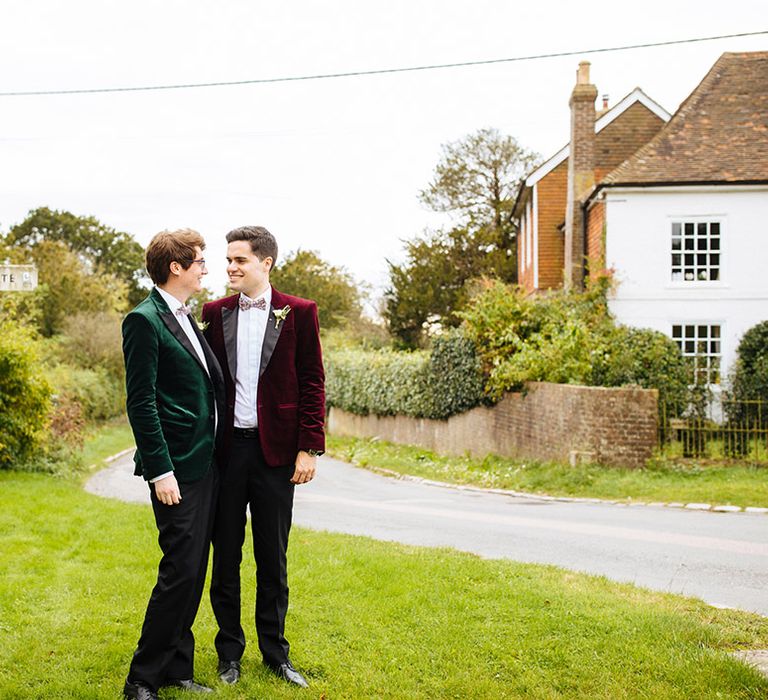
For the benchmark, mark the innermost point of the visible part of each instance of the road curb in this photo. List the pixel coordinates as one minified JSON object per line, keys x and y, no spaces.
{"x":122,"y":453}
{"x":707,"y":507}
{"x":757,"y":658}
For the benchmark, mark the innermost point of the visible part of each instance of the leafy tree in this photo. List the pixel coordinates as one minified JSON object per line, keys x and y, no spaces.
{"x":102,"y":248}
{"x":475,"y":181}
{"x":71,"y":289}
{"x":424,"y":290}
{"x":304,"y":273}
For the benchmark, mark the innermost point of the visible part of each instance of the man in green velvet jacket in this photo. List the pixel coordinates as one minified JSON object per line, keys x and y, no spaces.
{"x":175,"y":393}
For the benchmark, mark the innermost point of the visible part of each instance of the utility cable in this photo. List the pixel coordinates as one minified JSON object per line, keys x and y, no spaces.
{"x":380,"y":71}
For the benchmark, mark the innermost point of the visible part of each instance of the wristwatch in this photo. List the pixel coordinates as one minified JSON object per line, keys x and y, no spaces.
{"x":314,"y":453}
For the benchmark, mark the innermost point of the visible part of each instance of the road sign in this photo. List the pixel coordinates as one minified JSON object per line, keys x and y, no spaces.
{"x":17,"y":278}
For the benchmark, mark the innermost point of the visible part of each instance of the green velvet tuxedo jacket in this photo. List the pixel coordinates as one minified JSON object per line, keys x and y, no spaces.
{"x":171,"y":398}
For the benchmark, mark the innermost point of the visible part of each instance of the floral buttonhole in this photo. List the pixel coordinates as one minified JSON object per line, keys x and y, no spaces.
{"x":280,"y":315}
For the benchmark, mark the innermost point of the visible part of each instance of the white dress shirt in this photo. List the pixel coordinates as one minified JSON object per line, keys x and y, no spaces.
{"x":251,"y":327}
{"x":186,"y":325}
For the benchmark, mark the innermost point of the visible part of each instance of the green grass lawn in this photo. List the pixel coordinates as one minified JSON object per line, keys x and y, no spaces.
{"x":662,"y":481}
{"x":368,"y":619}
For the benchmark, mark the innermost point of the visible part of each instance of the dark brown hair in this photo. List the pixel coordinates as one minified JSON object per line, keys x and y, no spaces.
{"x":171,"y":246}
{"x":263,"y":243}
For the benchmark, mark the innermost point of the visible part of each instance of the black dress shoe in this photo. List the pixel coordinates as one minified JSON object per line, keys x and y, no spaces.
{"x":288,"y":673}
{"x":229,"y":671}
{"x":137,"y":691}
{"x":188,"y":684}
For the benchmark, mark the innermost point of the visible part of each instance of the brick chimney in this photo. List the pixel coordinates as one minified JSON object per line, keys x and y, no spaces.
{"x":581,"y":174}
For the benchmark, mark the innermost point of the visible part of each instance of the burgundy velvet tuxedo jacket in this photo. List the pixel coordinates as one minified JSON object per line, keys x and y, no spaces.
{"x":290,"y":397}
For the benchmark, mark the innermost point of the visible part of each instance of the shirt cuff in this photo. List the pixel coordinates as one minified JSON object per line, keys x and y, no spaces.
{"x":157,"y":478}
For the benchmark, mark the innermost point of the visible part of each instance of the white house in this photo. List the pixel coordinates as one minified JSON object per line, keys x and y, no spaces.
{"x":681,"y":220}
{"x":685,"y":219}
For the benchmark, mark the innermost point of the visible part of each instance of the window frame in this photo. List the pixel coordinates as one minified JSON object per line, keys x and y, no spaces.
{"x":695,"y":339}
{"x":696,"y":251}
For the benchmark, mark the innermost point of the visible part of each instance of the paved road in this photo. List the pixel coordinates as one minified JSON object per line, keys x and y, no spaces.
{"x":719,"y":557}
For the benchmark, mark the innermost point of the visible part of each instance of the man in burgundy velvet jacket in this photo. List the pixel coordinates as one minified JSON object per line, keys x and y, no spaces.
{"x":268,"y":345}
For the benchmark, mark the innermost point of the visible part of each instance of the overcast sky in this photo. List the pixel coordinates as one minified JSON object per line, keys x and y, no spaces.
{"x":331,"y":165}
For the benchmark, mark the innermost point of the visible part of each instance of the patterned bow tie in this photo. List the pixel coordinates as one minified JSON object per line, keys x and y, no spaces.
{"x":183,"y":310}
{"x":246,"y":304}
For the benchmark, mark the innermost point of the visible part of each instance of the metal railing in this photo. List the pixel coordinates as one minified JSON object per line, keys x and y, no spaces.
{"x":715,"y":427}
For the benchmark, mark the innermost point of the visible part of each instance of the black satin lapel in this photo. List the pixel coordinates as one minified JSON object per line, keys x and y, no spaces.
{"x":271,"y":334}
{"x":178,"y":332}
{"x":214,"y":369}
{"x":229,"y":326}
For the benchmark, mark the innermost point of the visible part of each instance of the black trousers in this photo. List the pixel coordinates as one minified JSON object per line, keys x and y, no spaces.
{"x":249,"y":481}
{"x":166,"y":648}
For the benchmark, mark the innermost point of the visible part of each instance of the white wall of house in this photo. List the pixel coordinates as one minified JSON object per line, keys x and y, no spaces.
{"x":639,"y":247}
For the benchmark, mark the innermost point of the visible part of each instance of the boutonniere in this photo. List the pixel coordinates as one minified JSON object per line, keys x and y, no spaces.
{"x":280,"y":315}
{"x":202,"y":325}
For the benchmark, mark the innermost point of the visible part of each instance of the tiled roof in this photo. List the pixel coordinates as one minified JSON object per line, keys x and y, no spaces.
{"x":719,"y":134}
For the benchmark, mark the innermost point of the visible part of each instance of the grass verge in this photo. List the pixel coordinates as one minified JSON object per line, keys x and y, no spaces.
{"x":368,"y":619}
{"x":662,"y":481}
{"x":104,"y":440}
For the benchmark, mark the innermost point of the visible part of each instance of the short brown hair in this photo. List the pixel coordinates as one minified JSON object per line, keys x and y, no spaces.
{"x":171,"y":246}
{"x":263,"y":243}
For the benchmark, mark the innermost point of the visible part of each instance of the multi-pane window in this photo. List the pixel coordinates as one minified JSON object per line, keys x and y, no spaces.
{"x":696,"y":251}
{"x":701,"y":345}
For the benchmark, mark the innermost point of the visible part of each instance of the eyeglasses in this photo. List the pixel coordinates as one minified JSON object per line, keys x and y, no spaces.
{"x":200,"y":262}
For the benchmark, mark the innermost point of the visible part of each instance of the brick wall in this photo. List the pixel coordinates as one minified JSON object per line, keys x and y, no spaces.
{"x":596,"y":238}
{"x":561,"y":422}
{"x":552,"y":190}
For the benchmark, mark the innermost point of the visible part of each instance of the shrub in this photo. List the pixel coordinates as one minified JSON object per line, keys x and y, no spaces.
{"x":23,"y":308}
{"x":646,"y":358}
{"x":568,"y":338}
{"x":67,"y":421}
{"x":94,"y":340}
{"x":548,"y":338}
{"x":749,"y":379}
{"x":422,"y":384}
{"x":454,"y":376}
{"x":99,"y":394}
{"x":24,"y":398}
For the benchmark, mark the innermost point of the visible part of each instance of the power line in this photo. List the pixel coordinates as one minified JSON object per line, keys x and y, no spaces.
{"x":380,"y":71}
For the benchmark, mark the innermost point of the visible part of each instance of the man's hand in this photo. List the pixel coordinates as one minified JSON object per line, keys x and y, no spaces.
{"x":305,"y":468}
{"x":167,"y":490}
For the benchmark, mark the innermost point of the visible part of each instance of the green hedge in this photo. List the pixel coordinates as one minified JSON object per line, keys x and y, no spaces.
{"x":422,"y":384}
